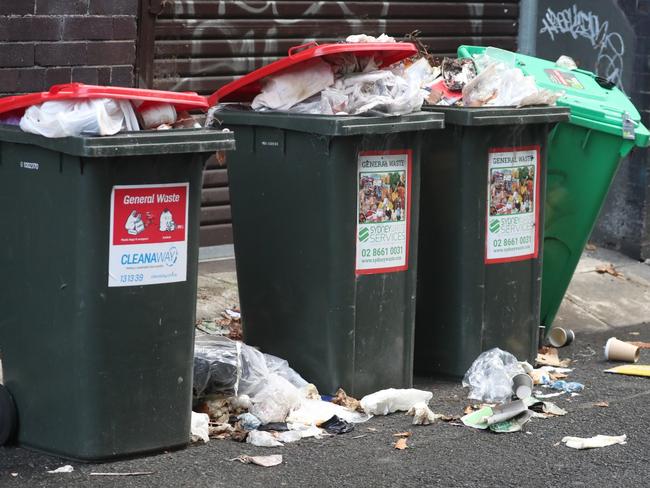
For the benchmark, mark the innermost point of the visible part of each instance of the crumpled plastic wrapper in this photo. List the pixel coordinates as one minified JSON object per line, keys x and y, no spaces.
{"x":489,"y":378}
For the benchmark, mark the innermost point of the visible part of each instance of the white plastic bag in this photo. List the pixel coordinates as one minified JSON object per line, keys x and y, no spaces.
{"x":262,"y":439}
{"x":64,"y":118}
{"x":392,"y":400}
{"x":490,"y":376}
{"x":275,"y":400}
{"x":284,"y":90}
{"x":313,"y":412}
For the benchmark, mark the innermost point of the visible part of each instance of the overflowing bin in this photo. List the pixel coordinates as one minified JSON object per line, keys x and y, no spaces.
{"x":583,"y":157}
{"x":481,"y":208}
{"x":99,"y":261}
{"x":325,"y":280}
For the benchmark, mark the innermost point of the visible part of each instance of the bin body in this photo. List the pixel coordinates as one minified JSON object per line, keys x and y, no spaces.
{"x":295,"y":189}
{"x":584,"y":154}
{"x":479,"y":270}
{"x":96,"y":371}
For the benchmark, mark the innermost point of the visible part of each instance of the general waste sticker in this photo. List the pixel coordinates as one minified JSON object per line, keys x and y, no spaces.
{"x":383,"y":211}
{"x":148,"y":235}
{"x":513,"y":204}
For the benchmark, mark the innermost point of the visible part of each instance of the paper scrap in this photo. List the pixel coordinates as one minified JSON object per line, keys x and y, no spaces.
{"x":63,"y":469}
{"x":594,"y":442}
{"x":401,"y":443}
{"x":264,"y":461}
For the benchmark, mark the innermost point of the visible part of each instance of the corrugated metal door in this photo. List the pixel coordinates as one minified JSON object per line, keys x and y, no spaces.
{"x":200,"y":45}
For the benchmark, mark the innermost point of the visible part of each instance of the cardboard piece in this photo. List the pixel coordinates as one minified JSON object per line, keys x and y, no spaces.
{"x":631,"y":370}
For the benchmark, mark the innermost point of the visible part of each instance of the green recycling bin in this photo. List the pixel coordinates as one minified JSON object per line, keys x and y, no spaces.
{"x":324,"y":282}
{"x":98,"y":293}
{"x":583,"y":157}
{"x":479,"y":259}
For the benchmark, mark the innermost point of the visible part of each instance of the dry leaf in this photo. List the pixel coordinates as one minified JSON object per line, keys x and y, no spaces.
{"x":590,"y":247}
{"x":601,"y":404}
{"x":403,"y":434}
{"x":401,"y":443}
{"x":547,"y":356}
{"x":609,"y":269}
{"x":640,"y":345}
{"x":468,"y":409}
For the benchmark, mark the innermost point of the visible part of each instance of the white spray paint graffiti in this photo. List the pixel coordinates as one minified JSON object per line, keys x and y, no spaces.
{"x":577,"y":23}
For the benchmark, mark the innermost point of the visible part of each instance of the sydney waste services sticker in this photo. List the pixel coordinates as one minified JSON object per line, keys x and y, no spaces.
{"x":513,"y":204}
{"x":383,"y":211}
{"x":148,"y":235}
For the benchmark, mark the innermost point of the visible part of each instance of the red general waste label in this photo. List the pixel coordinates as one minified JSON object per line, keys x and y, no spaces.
{"x":148,"y":234}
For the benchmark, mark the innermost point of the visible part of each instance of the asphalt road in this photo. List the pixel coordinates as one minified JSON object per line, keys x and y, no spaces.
{"x":439,"y":455}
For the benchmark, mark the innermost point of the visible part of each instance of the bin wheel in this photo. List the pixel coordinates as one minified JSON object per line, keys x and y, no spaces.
{"x":8,"y":419}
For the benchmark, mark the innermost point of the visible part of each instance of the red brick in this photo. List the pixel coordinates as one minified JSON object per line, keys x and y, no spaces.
{"x":111,"y":52}
{"x":57,"y":76}
{"x":60,"y":53}
{"x":122,"y":76}
{"x":85,"y":74}
{"x":30,"y":28}
{"x":124,"y":28}
{"x":15,"y":54}
{"x":87,"y":28}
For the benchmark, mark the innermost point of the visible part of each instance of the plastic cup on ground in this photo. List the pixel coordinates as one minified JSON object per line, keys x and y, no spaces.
{"x":559,"y":337}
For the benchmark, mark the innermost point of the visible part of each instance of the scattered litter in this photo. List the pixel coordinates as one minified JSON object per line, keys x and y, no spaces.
{"x":63,"y":469}
{"x":219,"y":430}
{"x":594,"y":442}
{"x":264,"y":461}
{"x":550,"y":395}
{"x":392,"y":400}
{"x":262,"y":439}
{"x":335,"y":425}
{"x":506,"y":411}
{"x":608,"y":269}
{"x":200,"y":429}
{"x":601,"y":404}
{"x":359,"y":436}
{"x":635,"y":333}
{"x":560,"y":337}
{"x":342,"y":399}
{"x":548,"y":356}
{"x":248,"y":421}
{"x":310,"y":392}
{"x":422,"y":414}
{"x":590,"y":247}
{"x":617,"y":350}
{"x":275,"y":427}
{"x":401,"y":444}
{"x":289,"y":436}
{"x":490,"y":376}
{"x":522,"y":385}
{"x":567,"y":386}
{"x":132,"y":473}
{"x":514,"y":424}
{"x":315,"y":412}
{"x":545,"y":409}
{"x":403,"y":434}
{"x":306,"y":431}
{"x":478,"y":418}
{"x":228,"y":325}
{"x":631,"y":370}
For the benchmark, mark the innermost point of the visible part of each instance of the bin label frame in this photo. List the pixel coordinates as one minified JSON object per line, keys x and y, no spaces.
{"x":511,"y":237}
{"x":382,"y":246}
{"x":148,"y":234}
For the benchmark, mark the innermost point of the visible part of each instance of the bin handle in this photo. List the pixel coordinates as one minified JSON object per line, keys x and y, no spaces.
{"x":65,"y":86}
{"x":292,"y":50}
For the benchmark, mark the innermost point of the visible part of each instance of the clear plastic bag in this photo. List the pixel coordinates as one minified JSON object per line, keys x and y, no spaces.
{"x":275,"y":400}
{"x":489,"y":378}
{"x":64,"y":118}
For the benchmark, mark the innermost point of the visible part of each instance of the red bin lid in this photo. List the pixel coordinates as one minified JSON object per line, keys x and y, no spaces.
{"x":69,"y":91}
{"x":248,"y":86}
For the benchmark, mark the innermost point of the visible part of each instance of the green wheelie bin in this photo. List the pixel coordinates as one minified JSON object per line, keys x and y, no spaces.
{"x":583,"y":157}
{"x":99,"y":272}
{"x":479,"y":260}
{"x":325,"y":225}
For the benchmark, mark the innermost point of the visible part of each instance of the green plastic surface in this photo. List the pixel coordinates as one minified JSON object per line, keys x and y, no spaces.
{"x":583,"y":157}
{"x":96,"y":372}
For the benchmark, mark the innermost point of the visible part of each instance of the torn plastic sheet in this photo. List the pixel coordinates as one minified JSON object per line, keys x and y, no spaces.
{"x":392,"y":400}
{"x":490,"y":376}
{"x":594,"y":442}
{"x":315,"y":412}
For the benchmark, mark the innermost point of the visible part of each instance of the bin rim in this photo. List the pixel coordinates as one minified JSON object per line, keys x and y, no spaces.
{"x":334,"y":125}
{"x":584,"y":103}
{"x":482,"y":116}
{"x":80,"y":91}
{"x":244,"y":89}
{"x":136,"y":143}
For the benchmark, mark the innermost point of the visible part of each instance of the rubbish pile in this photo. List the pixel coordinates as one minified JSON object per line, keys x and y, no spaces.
{"x":245,"y":395}
{"x":490,"y":79}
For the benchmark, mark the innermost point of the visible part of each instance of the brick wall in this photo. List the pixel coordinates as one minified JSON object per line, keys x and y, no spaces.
{"x":45,"y":42}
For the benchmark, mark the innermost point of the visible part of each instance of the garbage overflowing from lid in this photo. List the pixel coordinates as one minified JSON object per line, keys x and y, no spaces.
{"x":76,"y":109}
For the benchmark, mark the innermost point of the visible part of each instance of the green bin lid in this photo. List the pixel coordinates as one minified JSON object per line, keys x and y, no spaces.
{"x":594,"y":104}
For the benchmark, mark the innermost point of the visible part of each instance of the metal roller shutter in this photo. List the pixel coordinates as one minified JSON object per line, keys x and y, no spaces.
{"x":200,"y":45}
